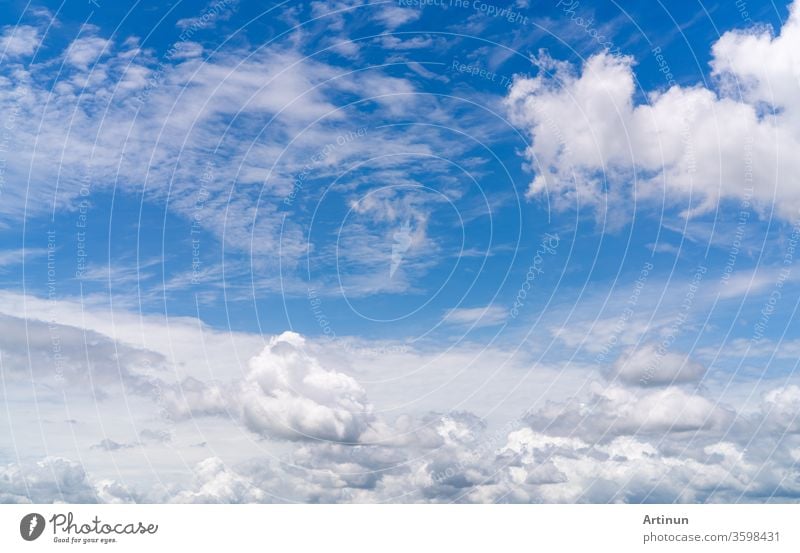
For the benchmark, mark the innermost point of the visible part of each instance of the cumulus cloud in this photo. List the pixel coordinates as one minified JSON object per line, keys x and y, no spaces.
{"x":781,"y":408}
{"x":86,"y":50}
{"x":216,"y":483}
{"x":647,"y":365}
{"x":618,"y":440}
{"x":53,"y":479}
{"x":617,"y":445}
{"x":611,"y":410}
{"x":289,"y":394}
{"x":533,"y":463}
{"x":20,"y":40}
{"x":111,"y":491}
{"x":593,"y":143}
{"x":624,"y":470}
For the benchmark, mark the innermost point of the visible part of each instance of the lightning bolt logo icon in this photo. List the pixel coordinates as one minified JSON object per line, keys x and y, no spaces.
{"x":31,"y":526}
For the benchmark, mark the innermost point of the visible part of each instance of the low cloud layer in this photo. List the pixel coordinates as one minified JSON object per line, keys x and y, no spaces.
{"x":613,"y":443}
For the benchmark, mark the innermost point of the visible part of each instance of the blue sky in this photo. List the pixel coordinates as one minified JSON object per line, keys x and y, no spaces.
{"x":502,"y":227}
{"x":466,"y":219}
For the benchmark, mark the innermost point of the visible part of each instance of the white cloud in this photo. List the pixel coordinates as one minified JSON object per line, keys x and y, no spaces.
{"x":629,"y":446}
{"x":216,"y":483}
{"x":588,"y":130}
{"x":20,"y":40}
{"x":478,"y":316}
{"x":153,"y":342}
{"x":85,"y":51}
{"x":111,"y":491}
{"x":289,"y":394}
{"x":612,"y":410}
{"x":194,"y":398}
{"x":48,"y":480}
{"x":53,"y":356}
{"x":781,"y":408}
{"x":646,"y":365}
{"x":19,"y":256}
{"x":616,"y":441}
{"x":117,"y":115}
{"x":624,"y":470}
{"x":745,"y":283}
{"x":395,"y":16}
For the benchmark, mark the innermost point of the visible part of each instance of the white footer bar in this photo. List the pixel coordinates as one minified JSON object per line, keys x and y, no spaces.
{"x":399,"y":528}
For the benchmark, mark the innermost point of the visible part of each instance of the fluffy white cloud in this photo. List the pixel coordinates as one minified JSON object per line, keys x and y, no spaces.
{"x":662,"y":450}
{"x":289,"y":394}
{"x":612,"y":410}
{"x":591,"y":138}
{"x":647,"y":365}
{"x":111,"y":491}
{"x":624,"y":470}
{"x":17,"y":41}
{"x":617,"y":441}
{"x":216,"y":483}
{"x":85,"y":51}
{"x":52,"y":479}
{"x":781,"y":409}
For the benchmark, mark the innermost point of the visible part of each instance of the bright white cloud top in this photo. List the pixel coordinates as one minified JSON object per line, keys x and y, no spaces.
{"x":734,"y":141}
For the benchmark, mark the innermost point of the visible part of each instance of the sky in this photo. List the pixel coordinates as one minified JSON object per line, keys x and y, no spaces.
{"x":399,"y":251}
